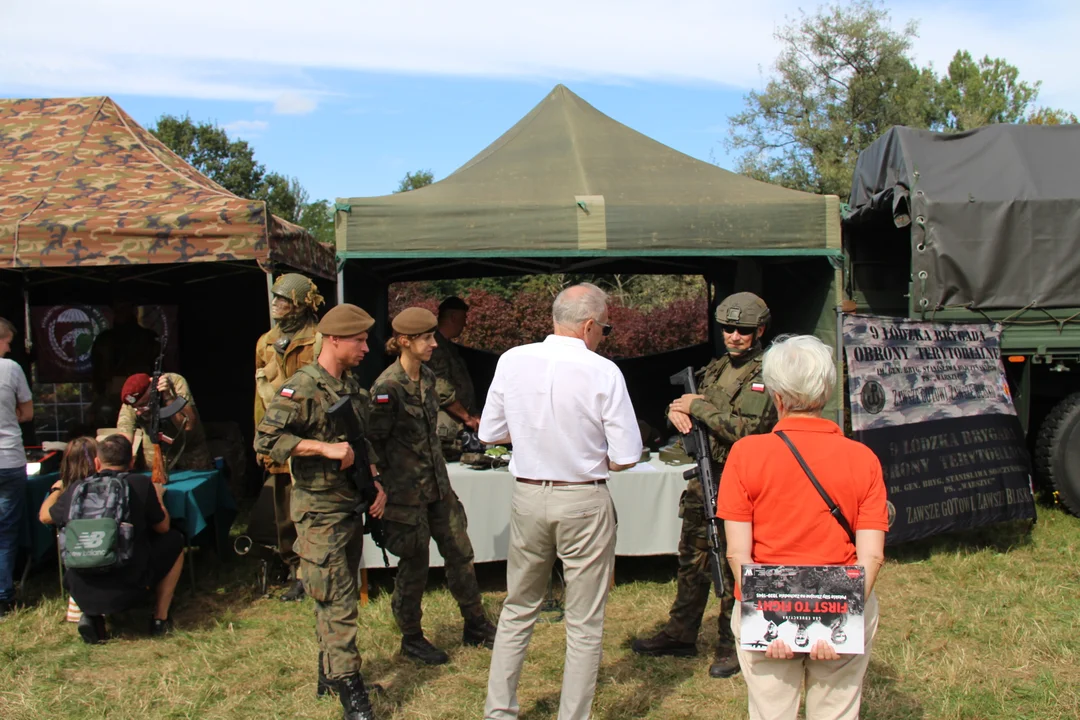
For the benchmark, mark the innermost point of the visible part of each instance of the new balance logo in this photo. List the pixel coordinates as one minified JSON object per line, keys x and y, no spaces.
{"x":91,"y":540}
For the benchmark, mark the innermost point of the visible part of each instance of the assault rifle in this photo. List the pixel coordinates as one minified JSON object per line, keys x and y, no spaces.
{"x":155,"y":414}
{"x":696,"y":444}
{"x":360,"y":471}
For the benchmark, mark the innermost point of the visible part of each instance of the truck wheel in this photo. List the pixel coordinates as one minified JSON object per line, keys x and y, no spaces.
{"x":1057,"y":451}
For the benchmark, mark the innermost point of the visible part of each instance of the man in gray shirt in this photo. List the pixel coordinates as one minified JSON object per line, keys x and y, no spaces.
{"x":16,"y":406}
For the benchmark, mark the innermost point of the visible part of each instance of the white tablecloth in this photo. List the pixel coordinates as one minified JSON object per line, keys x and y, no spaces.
{"x":646,"y":499}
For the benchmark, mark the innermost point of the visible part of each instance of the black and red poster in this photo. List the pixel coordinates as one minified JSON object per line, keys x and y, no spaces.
{"x":931,"y":400}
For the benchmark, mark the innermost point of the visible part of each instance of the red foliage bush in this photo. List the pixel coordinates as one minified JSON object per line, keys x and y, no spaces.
{"x":496,"y":324}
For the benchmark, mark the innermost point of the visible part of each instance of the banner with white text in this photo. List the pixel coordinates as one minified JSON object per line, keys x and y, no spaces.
{"x":931,"y":400}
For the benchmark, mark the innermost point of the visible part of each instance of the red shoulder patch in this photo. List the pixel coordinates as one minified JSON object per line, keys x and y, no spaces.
{"x":757,"y":387}
{"x":287,"y":392}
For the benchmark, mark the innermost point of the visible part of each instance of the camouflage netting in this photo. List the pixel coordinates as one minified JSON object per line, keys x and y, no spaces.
{"x":81,"y":183}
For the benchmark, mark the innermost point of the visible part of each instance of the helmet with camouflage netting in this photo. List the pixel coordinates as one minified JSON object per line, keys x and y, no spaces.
{"x":298,"y":290}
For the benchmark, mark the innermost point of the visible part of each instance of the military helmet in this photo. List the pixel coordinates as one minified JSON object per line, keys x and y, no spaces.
{"x":743,"y":309}
{"x":298,"y":290}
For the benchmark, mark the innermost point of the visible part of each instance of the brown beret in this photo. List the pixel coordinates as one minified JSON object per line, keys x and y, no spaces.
{"x":345,"y":321}
{"x":414,"y":321}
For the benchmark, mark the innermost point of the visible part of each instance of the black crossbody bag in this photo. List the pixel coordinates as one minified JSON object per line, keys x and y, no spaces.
{"x":834,"y":509}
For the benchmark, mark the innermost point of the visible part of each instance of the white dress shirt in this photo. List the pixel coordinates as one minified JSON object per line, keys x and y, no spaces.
{"x":565,"y":409}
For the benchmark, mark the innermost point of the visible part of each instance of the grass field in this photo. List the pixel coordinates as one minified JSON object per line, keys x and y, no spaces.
{"x":978,"y":626}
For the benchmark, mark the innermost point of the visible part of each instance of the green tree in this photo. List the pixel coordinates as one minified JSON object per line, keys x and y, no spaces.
{"x":1050,"y":116}
{"x":843,"y":77}
{"x":414,"y":181}
{"x":318,"y":218}
{"x":229,"y":163}
{"x":232,"y":164}
{"x":973,"y":94}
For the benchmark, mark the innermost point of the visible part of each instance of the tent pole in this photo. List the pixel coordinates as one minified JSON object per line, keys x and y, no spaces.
{"x":840,"y":365}
{"x":28,"y":340}
{"x":341,"y":282}
{"x":270,"y":296}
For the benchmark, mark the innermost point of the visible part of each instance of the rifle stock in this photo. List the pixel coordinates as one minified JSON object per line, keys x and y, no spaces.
{"x":159,"y":474}
{"x":360,"y":471}
{"x":696,"y":444}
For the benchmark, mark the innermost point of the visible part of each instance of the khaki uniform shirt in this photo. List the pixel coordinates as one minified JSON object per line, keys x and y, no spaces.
{"x":273,"y":368}
{"x":404,"y":431}
{"x":195,"y":454}
{"x":299,"y":412}
{"x":453,"y":381}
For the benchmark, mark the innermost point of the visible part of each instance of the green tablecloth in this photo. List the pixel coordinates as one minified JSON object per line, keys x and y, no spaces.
{"x":196,"y":500}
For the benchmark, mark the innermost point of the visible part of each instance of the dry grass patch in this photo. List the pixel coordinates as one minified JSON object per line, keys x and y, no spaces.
{"x":977,"y":627}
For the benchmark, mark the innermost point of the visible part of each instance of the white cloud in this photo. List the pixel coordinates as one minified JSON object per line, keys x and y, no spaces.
{"x":294,"y":103}
{"x":245,"y":128}
{"x":259,"y":50}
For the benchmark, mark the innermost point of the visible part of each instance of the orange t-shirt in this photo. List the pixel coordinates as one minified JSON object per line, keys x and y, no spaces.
{"x":763,"y":484}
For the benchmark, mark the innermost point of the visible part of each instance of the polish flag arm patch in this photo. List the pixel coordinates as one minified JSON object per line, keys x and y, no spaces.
{"x":287,"y":392}
{"x":757,"y":387}
{"x":382,"y":399}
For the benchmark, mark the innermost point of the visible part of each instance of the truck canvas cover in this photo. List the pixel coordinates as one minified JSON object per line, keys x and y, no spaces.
{"x":994,"y":213}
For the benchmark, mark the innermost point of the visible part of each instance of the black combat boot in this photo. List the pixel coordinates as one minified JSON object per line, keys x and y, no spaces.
{"x":295,"y":593}
{"x":725,"y":662}
{"x":479,"y":631}
{"x":354,"y":698}
{"x":661,"y":645}
{"x":417,"y":647}
{"x":92,"y":629}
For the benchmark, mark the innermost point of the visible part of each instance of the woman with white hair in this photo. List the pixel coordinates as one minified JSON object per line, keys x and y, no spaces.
{"x":774,"y":515}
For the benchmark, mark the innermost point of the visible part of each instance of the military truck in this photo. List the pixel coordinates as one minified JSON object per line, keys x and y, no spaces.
{"x":983,"y":226}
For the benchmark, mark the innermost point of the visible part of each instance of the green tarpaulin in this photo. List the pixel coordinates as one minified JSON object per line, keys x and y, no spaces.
{"x":568,"y":180}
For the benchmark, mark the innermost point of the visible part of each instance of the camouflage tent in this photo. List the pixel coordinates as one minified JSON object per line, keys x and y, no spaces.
{"x":82,"y":184}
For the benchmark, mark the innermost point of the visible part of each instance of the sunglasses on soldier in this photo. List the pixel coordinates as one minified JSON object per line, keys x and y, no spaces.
{"x":735,"y":329}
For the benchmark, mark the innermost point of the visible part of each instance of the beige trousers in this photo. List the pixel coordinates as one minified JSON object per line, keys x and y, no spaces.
{"x":833,"y":687}
{"x":577,"y":524}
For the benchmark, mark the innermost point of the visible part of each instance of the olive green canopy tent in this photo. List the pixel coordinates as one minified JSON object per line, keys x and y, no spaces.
{"x":569,"y":189}
{"x":568,"y":180}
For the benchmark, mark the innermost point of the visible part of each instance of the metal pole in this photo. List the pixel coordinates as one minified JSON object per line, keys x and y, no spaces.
{"x":341,"y":282}
{"x":840,"y":365}
{"x":270,"y":296}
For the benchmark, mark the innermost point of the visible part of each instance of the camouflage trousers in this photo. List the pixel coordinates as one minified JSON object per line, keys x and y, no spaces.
{"x":444,"y":521}
{"x":329,"y":541}
{"x":694,"y":578}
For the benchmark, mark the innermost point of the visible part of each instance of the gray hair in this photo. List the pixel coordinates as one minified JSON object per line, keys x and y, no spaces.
{"x":802,"y":371}
{"x":578,"y":303}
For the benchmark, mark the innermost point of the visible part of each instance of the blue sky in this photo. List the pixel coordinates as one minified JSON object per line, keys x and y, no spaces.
{"x":348,"y":96}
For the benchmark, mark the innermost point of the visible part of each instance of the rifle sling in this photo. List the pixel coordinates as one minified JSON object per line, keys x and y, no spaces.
{"x":834,"y":509}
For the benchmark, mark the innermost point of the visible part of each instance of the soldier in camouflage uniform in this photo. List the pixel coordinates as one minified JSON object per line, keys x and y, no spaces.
{"x":293,"y":342}
{"x":457,"y":397}
{"x":188,"y":449}
{"x":296,"y":429}
{"x":421,"y":505}
{"x":733,"y":404}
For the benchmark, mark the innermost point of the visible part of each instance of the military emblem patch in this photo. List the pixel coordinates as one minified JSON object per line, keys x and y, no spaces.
{"x":287,"y":392}
{"x":382,"y":399}
{"x":757,"y":387}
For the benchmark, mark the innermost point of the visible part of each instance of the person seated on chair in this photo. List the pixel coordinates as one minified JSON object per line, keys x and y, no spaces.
{"x":185,"y":444}
{"x":158,"y":554}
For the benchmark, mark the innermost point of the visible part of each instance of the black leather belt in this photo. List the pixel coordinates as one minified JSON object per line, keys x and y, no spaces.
{"x":560,"y":483}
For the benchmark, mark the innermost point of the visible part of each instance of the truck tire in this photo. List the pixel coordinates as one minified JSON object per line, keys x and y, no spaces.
{"x":1057,"y":452}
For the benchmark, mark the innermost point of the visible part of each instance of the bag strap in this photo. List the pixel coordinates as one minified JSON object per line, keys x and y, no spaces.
{"x":834,"y":509}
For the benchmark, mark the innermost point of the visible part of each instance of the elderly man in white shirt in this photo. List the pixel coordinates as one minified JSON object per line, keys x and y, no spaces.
{"x":569,"y":416}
